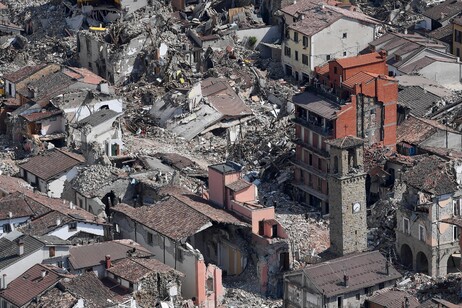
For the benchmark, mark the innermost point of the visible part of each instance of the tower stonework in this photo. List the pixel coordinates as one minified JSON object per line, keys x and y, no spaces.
{"x":347,"y":196}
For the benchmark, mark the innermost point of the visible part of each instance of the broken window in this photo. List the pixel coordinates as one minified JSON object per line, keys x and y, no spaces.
{"x":284,"y":263}
{"x":210,"y":284}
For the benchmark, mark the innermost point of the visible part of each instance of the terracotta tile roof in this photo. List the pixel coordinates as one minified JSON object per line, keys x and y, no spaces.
{"x":170,"y":217}
{"x":416,"y":130}
{"x":346,"y":142}
{"x":360,"y":60}
{"x":299,"y":6}
{"x":23,"y":73}
{"x":135,"y":269}
{"x":50,"y":164}
{"x":55,"y":298}
{"x":36,"y":116}
{"x":361,"y":77}
{"x":46,"y":223}
{"x":444,"y":11}
{"x":433,"y":175}
{"x":8,"y":249}
{"x":364,"y":270}
{"x":393,"y":298}
{"x":94,"y":254}
{"x":238,"y":185}
{"x":316,"y":104}
{"x":19,"y":206}
{"x":202,"y":206}
{"x":322,"y":70}
{"x":10,"y":184}
{"x":223,"y":98}
{"x":29,"y":285}
{"x":88,"y":287}
{"x":84,"y":75}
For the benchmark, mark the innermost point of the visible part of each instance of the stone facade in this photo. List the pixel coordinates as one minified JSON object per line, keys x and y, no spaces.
{"x":347,"y":199}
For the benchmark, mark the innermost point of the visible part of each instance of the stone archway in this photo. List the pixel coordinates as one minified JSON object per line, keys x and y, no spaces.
{"x":421,"y":263}
{"x":406,"y":255}
{"x":453,"y":264}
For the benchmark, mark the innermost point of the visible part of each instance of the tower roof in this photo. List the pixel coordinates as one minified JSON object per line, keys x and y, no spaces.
{"x":346,"y":142}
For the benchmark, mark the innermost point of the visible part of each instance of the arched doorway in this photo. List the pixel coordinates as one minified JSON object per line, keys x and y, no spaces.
{"x":453,"y":265}
{"x":406,"y":256}
{"x":421,"y":263}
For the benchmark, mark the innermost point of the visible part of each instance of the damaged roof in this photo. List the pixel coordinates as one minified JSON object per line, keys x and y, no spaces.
{"x":238,"y":185}
{"x":364,"y":270}
{"x":345,"y":142}
{"x":223,"y":98}
{"x":52,"y":163}
{"x":432,"y":175}
{"x":23,"y":73}
{"x":29,"y":285}
{"x":20,"y":206}
{"x":9,"y":184}
{"x":135,"y":269}
{"x":416,"y":130}
{"x":41,"y":115}
{"x":94,"y":254}
{"x":393,"y":298}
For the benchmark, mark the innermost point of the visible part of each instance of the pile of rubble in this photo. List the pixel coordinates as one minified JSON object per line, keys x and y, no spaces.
{"x":425,"y":287}
{"x":94,"y":177}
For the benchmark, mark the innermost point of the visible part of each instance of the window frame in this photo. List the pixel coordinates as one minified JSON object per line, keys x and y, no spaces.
{"x":408,"y":229}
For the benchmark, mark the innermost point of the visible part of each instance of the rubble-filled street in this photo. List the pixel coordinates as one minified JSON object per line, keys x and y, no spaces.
{"x":230,"y":153}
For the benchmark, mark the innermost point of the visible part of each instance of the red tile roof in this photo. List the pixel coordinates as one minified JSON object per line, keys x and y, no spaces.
{"x":29,"y":285}
{"x":363,"y":77}
{"x":135,"y":269}
{"x":360,"y":60}
{"x":36,"y":116}
{"x":415,"y":130}
{"x":84,"y":75}
{"x":23,"y":73}
{"x":51,"y":163}
{"x":94,"y":254}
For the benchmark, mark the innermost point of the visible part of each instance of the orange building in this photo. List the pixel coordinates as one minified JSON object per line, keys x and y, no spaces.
{"x":348,"y":97}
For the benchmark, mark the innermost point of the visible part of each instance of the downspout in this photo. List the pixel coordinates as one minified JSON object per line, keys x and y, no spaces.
{"x":164,"y":252}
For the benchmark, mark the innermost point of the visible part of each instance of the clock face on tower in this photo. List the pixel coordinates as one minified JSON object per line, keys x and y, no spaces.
{"x":356,"y":207}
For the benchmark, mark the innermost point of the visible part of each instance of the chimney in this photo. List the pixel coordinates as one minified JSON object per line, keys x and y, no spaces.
{"x":71,"y":206}
{"x":383,"y":54}
{"x":108,"y":261}
{"x":345,"y":280}
{"x":44,"y":273}
{"x":20,"y":247}
{"x":5,"y":283}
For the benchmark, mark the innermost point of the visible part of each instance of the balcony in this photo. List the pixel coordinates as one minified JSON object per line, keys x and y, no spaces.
{"x":322,"y":91}
{"x":318,"y":194}
{"x":324,"y":131}
{"x":311,"y":148}
{"x":310,"y":169}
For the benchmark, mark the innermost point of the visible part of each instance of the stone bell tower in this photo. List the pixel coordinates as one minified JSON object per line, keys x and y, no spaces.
{"x":347,"y":196}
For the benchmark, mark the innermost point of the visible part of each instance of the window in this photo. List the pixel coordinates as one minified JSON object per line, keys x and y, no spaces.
{"x":130,"y":285}
{"x":344,"y":35}
{"x":6,"y":228}
{"x":456,"y":207}
{"x":327,"y":57}
{"x":60,"y":264}
{"x":358,"y":296}
{"x":406,"y":228}
{"x":381,"y":285}
{"x":335,"y":70}
{"x":72,"y":226}
{"x":455,"y":233}
{"x":344,"y":53}
{"x":339,"y":302}
{"x":4,"y":304}
{"x":150,"y":239}
{"x":287,"y":51}
{"x":305,"y":41}
{"x":421,"y":233}
{"x":368,"y":291}
{"x":296,"y":55}
{"x":458,"y":52}
{"x":295,"y":37}
{"x":51,"y":251}
{"x":305,"y":59}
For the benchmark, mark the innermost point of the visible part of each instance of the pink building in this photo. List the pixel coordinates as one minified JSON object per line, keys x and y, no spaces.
{"x":228,"y":190}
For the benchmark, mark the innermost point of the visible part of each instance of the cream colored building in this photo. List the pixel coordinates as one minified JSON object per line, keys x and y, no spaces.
{"x":317,"y":33}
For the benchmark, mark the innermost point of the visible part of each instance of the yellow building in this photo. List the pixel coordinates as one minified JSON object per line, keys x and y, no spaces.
{"x":457,"y":36}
